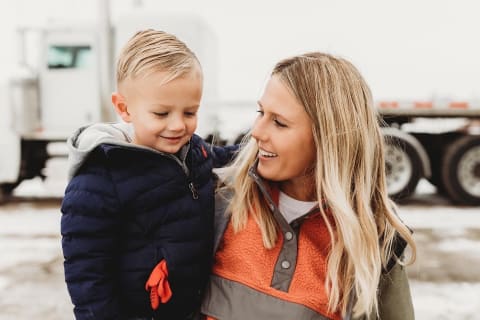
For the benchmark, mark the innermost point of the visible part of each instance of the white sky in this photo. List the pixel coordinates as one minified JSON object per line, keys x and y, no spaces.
{"x":411,"y":49}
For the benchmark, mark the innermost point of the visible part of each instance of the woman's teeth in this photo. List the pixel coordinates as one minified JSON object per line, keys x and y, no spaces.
{"x":264,"y":153}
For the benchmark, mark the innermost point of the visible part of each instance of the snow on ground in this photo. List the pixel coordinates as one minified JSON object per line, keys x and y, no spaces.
{"x":467,"y":245}
{"x":446,"y":301}
{"x":444,"y":218}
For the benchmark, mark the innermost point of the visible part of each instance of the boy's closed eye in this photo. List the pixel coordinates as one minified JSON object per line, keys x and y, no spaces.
{"x":166,"y":113}
{"x":190,"y":113}
{"x":161,"y":114}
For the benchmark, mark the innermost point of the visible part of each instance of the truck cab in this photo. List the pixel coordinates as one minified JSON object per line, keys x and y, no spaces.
{"x":68,"y":82}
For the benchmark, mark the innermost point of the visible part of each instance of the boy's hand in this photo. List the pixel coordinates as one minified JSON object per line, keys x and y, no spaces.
{"x":158,"y":285}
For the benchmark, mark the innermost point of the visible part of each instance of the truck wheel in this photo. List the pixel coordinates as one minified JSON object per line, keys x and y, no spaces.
{"x":461,"y":170}
{"x":403,"y":167}
{"x":6,"y":190}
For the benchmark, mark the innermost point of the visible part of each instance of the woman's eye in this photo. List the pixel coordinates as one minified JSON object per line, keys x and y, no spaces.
{"x":279,"y":124}
{"x":260,"y":113}
{"x":190,"y":114}
{"x":161,"y":114}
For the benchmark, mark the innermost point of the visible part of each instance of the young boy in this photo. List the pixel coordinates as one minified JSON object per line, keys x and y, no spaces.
{"x":138,"y":212}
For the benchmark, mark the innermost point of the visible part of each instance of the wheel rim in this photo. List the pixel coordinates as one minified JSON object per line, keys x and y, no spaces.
{"x":398,"y":169}
{"x":468,"y":171}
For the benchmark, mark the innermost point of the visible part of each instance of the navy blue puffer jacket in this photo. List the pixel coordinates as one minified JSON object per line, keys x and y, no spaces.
{"x":127,"y":208}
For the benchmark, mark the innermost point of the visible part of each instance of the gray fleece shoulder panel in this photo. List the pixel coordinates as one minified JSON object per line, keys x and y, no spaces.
{"x":87,"y":138}
{"x":223,"y":197}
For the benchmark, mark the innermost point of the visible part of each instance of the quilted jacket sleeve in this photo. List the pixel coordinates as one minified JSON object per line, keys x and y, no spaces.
{"x":89,"y":227}
{"x":223,"y":155}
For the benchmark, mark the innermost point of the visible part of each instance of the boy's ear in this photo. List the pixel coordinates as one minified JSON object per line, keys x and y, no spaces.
{"x":120,"y":106}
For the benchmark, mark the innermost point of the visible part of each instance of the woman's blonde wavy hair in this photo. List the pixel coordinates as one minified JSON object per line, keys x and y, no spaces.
{"x":349,"y":177}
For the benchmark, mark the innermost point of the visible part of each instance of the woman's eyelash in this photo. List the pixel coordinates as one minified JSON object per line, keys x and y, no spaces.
{"x":277,"y":123}
{"x":280,"y":124}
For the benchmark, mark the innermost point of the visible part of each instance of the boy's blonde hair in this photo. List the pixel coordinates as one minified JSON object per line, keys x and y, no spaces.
{"x":349,"y":177}
{"x":152,"y":51}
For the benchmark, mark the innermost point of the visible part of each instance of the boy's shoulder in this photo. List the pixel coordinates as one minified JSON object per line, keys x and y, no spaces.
{"x":82,"y":144}
{"x":216,"y":155}
{"x":114,"y":158}
{"x":95,"y":160}
{"x":196,"y":140}
{"x":198,"y":147}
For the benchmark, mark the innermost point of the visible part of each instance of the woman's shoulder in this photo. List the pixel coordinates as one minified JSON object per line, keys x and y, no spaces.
{"x":398,"y":248}
{"x":398,"y":245}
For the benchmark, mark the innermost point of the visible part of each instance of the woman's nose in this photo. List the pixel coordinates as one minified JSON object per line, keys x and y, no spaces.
{"x":258,"y":130}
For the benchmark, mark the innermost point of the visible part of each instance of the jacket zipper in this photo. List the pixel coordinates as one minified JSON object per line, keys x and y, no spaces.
{"x":185,"y":169}
{"x":191,"y":186}
{"x":190,"y":183}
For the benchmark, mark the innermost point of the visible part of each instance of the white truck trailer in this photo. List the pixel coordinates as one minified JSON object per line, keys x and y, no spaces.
{"x":438,"y":140}
{"x":72,"y":83}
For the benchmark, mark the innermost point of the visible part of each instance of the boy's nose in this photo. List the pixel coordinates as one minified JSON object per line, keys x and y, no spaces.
{"x":176,"y":124}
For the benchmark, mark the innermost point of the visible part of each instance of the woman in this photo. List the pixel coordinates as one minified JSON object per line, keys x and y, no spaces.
{"x":305,"y":228}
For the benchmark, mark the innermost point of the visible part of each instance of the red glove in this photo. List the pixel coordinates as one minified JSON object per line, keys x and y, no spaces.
{"x":158,"y":285}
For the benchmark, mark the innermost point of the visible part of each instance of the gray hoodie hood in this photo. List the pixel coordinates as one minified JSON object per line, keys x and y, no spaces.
{"x":87,"y":138}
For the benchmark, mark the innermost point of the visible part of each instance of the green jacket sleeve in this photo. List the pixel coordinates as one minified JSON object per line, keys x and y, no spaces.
{"x":394,"y":299}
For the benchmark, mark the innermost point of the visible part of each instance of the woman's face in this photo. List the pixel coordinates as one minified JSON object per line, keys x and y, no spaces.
{"x":283,"y":132}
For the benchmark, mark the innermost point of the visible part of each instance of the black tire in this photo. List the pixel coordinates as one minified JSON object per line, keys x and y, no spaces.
{"x":461,"y":170}
{"x":6,"y":191}
{"x":403,"y":167}
{"x":436,"y":176}
{"x":34,"y":159}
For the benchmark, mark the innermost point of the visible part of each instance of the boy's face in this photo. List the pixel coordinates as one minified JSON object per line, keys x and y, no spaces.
{"x":164,"y":116}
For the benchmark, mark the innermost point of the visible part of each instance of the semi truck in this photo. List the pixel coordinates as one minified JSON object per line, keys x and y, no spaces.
{"x":70,"y":86}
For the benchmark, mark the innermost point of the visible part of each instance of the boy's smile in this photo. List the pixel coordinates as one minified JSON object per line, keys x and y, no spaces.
{"x":164,"y":115}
